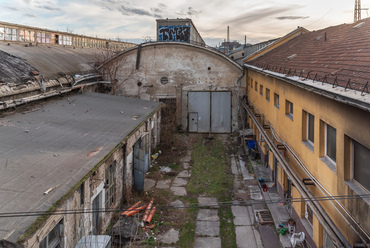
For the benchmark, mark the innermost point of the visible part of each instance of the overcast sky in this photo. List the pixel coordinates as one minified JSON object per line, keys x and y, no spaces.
{"x":134,"y":20}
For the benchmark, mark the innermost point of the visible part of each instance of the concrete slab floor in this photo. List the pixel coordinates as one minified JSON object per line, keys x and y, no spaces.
{"x":234,"y":168}
{"x":207,"y":242}
{"x":179,"y":191}
{"x":148,"y":184}
{"x":184,"y":173}
{"x":163,"y":184}
{"x":186,"y":166}
{"x":245,"y":237}
{"x":207,"y":228}
{"x":186,"y":159}
{"x":208,"y":214}
{"x":177,"y":204}
{"x":179,"y":182}
{"x":170,"y":237}
{"x":210,"y":202}
{"x":241,"y":216}
{"x":269,"y":237}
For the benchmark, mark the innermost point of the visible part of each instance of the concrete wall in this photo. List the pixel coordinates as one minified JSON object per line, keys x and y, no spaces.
{"x":186,"y":67}
{"x":75,"y":226}
{"x":348,"y":121}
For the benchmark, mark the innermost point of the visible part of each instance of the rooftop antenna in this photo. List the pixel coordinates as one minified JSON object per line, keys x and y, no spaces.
{"x":357,"y":14}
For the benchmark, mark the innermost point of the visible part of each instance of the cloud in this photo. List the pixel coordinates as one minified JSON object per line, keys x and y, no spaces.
{"x":13,"y":8}
{"x":291,"y":17}
{"x":189,"y":12}
{"x":30,"y":15}
{"x":128,"y":11}
{"x":160,"y":9}
{"x":48,"y":7}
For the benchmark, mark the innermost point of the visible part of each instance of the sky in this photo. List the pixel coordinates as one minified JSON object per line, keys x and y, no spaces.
{"x":135,"y":20}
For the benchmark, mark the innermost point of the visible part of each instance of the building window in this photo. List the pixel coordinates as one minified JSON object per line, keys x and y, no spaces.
{"x":110,"y":184}
{"x":252,"y":83}
{"x":308,"y":214}
{"x":261,"y":89}
{"x":82,"y":193}
{"x":330,"y":143}
{"x":54,"y":238}
{"x":360,"y":164}
{"x":308,"y":130}
{"x":255,"y":84}
{"x":276,"y":100}
{"x":267,"y":94}
{"x":289,"y":109}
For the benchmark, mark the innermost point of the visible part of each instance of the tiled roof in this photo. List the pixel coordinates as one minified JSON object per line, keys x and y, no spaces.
{"x":334,"y":55}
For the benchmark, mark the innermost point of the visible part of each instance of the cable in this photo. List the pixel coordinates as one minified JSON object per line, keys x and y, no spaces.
{"x":194,"y":205}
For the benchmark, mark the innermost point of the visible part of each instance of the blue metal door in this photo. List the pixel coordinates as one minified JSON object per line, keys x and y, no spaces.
{"x":141,"y":162}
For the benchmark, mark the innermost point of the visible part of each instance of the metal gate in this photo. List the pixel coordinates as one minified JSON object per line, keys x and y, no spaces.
{"x":209,"y":112}
{"x":141,"y":162}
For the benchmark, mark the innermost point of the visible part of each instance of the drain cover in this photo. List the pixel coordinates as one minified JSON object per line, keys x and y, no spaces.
{"x":264,"y":217}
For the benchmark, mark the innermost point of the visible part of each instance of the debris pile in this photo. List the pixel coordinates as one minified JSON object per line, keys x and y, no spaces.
{"x":126,"y":229}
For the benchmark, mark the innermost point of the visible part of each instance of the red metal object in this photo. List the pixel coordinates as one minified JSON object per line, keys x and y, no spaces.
{"x":136,"y":210}
{"x":150,"y":217}
{"x":147,"y":211}
{"x":131,"y":208}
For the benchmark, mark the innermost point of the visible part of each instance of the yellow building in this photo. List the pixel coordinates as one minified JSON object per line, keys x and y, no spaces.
{"x":308,"y":105}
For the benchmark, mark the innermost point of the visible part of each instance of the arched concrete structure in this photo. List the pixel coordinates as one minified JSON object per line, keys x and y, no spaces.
{"x":169,"y":70}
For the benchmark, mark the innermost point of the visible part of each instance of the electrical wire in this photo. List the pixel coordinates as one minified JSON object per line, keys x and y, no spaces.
{"x":194,"y":205}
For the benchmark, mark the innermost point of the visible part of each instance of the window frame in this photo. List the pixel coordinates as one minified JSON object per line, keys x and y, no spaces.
{"x":352,"y":163}
{"x":276,"y":100}
{"x":289,"y":109}
{"x":256,"y":86}
{"x":58,"y":230}
{"x":110,"y":184}
{"x":326,"y":144}
{"x":261,"y":89}
{"x":312,"y":142}
{"x":267,"y":94}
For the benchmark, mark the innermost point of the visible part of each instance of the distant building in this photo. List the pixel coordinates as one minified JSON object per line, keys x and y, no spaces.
{"x":178,"y":30}
{"x":308,"y":105}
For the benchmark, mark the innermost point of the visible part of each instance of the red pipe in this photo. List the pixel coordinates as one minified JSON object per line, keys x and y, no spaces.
{"x":147,"y":211}
{"x":135,"y":211}
{"x":131,"y":208}
{"x":150,"y":217}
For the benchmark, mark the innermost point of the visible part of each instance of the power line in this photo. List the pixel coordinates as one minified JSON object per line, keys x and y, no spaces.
{"x":194,"y":205}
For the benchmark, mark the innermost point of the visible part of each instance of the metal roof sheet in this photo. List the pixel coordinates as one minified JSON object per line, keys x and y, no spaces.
{"x":48,"y":147}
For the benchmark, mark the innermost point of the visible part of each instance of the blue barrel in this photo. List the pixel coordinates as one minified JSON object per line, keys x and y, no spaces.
{"x":251,"y":144}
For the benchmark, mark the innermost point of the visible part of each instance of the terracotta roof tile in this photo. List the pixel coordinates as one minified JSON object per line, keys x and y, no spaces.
{"x":341,"y":52}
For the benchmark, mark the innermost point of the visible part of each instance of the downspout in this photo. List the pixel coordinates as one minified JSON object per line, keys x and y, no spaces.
{"x":330,"y":228}
{"x":138,"y":55}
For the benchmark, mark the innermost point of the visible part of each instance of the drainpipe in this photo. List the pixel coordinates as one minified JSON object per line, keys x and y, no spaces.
{"x":330,"y":228}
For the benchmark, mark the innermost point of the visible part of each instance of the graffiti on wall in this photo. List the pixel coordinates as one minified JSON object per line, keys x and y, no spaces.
{"x":174,"y":33}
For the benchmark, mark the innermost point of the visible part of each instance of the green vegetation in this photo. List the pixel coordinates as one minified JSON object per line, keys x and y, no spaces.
{"x":187,"y":230}
{"x":211,"y":175}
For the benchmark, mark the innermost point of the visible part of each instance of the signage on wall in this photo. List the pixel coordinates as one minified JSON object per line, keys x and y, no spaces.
{"x":174,"y":33}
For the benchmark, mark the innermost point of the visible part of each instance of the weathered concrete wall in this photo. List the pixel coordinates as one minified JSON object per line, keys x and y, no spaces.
{"x":170,"y":70}
{"x":77,"y":225}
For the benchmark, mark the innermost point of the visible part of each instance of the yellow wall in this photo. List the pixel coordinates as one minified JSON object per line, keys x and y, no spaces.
{"x":349,"y":122}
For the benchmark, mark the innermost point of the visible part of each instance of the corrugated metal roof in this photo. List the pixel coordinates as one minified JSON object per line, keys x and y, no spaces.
{"x":49,"y":147}
{"x":50,"y":60}
{"x":341,"y":52}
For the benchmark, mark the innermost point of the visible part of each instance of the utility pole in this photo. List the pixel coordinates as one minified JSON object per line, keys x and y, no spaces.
{"x":228,"y":39}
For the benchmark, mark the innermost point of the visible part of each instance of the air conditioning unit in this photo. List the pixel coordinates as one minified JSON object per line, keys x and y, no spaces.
{"x":94,"y":241}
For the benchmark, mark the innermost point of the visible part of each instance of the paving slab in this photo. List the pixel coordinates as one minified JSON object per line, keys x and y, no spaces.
{"x":244,"y":170}
{"x":179,"y":182}
{"x":186,"y":166}
{"x":163,"y":184}
{"x":184,"y":173}
{"x":210,"y":202}
{"x":187,"y":158}
{"x":241,"y":216}
{"x":245,"y":237}
{"x":269,"y":237}
{"x":207,"y":228}
{"x":208,"y":214}
{"x":207,"y":242}
{"x":148,"y":184}
{"x":234,"y":168}
{"x":170,"y":237}
{"x":177,"y":204}
{"x":179,"y":191}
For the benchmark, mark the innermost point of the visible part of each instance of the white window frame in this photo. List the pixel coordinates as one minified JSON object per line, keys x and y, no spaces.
{"x":276,"y":100}
{"x":326,"y":144}
{"x":58,"y":242}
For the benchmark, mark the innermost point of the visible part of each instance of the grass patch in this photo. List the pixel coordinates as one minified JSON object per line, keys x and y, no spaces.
{"x":211,"y":175}
{"x":209,"y":172}
{"x":187,"y":230}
